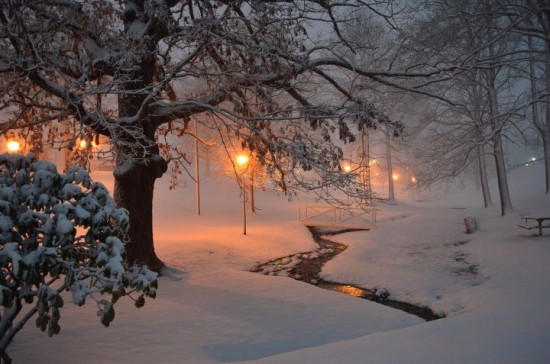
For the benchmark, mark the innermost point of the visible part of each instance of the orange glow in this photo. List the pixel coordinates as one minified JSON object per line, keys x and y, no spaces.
{"x":395,"y":177}
{"x":13,"y":146}
{"x":82,"y":144}
{"x":347,"y":167}
{"x":352,"y":291}
{"x":243,"y":160}
{"x":413,"y":179}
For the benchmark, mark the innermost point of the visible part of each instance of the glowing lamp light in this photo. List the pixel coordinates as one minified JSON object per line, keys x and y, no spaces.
{"x":82,"y":144}
{"x":413,"y":179}
{"x":533,"y":159}
{"x":395,"y":177}
{"x":243,"y":160}
{"x":347,"y":168}
{"x":13,"y":146}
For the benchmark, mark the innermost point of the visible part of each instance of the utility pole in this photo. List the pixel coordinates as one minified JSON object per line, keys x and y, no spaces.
{"x":391,"y":191}
{"x":197,"y":170}
{"x":252,"y":207}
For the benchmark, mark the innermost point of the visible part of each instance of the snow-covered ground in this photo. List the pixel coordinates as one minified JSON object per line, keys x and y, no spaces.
{"x":493,"y":285}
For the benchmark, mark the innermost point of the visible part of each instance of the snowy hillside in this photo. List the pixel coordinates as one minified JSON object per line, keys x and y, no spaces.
{"x":492,"y":285}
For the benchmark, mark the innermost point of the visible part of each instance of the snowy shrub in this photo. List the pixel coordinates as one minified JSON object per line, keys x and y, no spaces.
{"x":60,"y":233}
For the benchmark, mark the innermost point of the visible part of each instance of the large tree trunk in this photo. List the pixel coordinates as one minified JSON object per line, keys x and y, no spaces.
{"x":498,"y":150}
{"x":134,"y":187}
{"x":484,"y":181}
{"x":502,"y":179}
{"x":134,"y":191}
{"x":477,"y":100}
{"x":138,"y":163}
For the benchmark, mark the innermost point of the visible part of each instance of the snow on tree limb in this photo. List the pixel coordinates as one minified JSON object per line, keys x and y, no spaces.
{"x":137,"y":72}
{"x":42,"y":255}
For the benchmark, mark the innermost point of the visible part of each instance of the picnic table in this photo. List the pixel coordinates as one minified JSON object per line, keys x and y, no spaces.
{"x":538,"y":219}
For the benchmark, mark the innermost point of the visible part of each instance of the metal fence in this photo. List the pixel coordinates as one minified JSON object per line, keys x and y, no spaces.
{"x":337,"y":217}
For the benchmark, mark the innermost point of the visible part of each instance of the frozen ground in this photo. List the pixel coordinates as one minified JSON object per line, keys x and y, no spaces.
{"x":493,"y":285}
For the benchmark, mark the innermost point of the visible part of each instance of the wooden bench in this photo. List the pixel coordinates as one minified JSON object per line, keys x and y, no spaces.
{"x":538,"y":219}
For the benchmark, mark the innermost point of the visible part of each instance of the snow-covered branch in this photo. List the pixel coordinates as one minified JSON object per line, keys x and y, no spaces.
{"x":40,"y":211}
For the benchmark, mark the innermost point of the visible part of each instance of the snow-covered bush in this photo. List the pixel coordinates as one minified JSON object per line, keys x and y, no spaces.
{"x":60,"y":233}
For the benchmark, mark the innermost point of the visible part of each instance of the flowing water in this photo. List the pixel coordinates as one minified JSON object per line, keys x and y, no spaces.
{"x":307,"y":267}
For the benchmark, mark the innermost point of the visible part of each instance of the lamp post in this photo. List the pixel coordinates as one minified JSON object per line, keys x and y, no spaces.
{"x":82,"y":144}
{"x":242,"y":161}
{"x":347,"y":167}
{"x":197,"y":170}
{"x":13,"y":146}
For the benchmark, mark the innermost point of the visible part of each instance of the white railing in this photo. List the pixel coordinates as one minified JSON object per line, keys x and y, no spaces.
{"x":340,"y":217}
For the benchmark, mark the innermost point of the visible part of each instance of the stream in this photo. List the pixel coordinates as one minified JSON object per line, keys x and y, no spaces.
{"x":306,"y":267}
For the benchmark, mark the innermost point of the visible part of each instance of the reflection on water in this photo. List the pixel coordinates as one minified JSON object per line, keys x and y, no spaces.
{"x":307,"y":266}
{"x":347,"y":289}
{"x":382,"y":297}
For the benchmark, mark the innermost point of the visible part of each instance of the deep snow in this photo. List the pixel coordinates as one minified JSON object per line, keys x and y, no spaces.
{"x":494,"y":286}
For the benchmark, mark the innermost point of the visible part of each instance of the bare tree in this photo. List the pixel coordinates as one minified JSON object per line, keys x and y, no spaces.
{"x":473,"y":36}
{"x":531,"y":20}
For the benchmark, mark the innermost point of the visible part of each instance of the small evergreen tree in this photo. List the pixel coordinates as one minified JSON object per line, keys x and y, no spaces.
{"x":60,"y":233}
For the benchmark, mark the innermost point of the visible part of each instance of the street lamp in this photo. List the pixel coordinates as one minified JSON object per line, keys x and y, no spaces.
{"x":13,"y":146}
{"x":347,"y":167}
{"x":243,"y":160}
{"x":82,"y":144}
